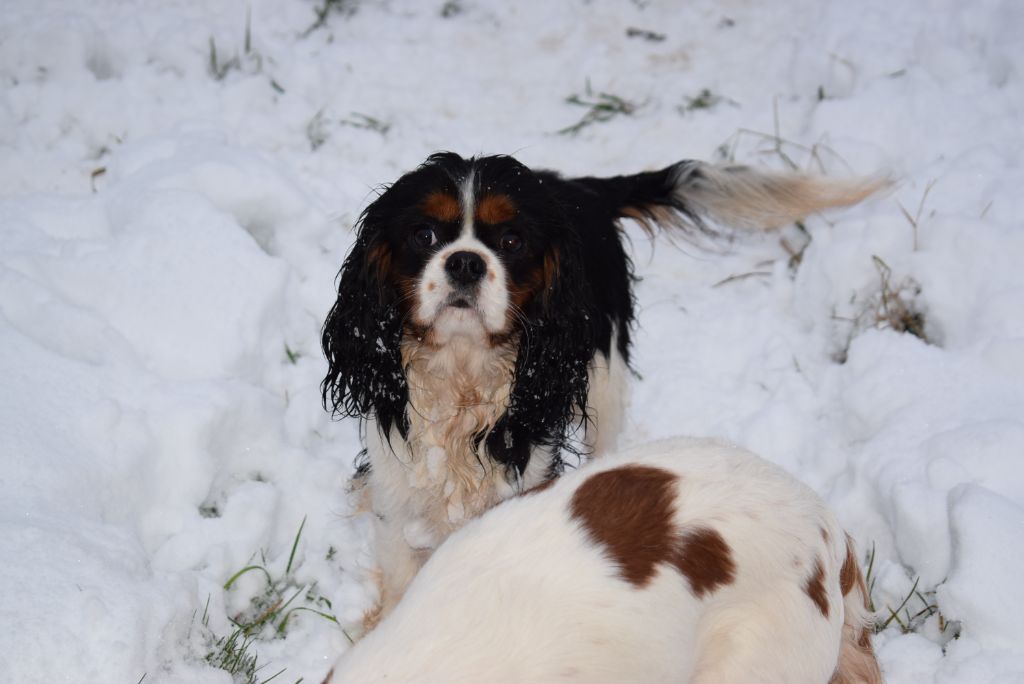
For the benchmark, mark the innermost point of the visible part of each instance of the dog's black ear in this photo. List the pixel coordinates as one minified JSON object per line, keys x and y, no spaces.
{"x":548,"y":402}
{"x":361,"y":339}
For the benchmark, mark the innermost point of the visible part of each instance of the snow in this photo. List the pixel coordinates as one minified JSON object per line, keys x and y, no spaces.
{"x":171,"y":237}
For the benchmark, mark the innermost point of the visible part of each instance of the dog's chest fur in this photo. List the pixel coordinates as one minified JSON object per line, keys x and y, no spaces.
{"x":456,"y":395}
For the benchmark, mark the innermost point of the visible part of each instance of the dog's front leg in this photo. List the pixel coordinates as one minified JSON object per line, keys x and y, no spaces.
{"x":397,"y":564}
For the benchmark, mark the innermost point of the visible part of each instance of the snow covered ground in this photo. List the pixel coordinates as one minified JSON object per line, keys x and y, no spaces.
{"x":177,"y":193}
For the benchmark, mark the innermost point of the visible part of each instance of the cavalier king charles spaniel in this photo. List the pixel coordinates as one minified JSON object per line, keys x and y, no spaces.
{"x":483,"y":319}
{"x":681,"y":561}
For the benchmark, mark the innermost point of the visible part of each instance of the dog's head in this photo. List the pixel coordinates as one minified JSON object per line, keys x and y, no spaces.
{"x":466,"y":245}
{"x":471,"y":249}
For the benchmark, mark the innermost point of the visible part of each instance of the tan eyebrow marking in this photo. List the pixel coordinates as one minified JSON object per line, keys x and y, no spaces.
{"x":441,"y":206}
{"x":493,"y":209}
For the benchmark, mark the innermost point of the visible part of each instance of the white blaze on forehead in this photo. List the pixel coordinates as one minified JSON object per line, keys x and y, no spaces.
{"x":468,"y":201}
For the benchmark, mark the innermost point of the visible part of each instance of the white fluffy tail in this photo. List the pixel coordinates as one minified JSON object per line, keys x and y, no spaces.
{"x":745,"y":197}
{"x":694,"y":196}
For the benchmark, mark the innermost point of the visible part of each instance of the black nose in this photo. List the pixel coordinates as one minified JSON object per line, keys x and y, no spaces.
{"x":465,"y":268}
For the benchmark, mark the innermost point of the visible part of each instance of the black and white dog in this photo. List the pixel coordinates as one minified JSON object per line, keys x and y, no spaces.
{"x":484,"y":315}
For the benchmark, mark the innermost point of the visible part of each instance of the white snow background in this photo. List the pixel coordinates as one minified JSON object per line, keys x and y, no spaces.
{"x":177,"y":193}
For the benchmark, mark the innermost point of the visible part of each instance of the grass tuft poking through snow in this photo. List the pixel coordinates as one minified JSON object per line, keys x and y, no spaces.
{"x":601,"y":107}
{"x":705,"y":99}
{"x":912,"y":613}
{"x":891,"y":305}
{"x":895,"y":305}
{"x":266,"y":617}
{"x":344,"y":8}
{"x":915,"y":220}
{"x":366,"y":122}
{"x":248,"y":61}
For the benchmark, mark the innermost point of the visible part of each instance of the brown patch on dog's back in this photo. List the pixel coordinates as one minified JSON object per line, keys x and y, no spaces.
{"x":705,"y":559}
{"x":630,"y":512}
{"x":442,"y":207}
{"x":494,"y":209}
{"x":815,"y":587}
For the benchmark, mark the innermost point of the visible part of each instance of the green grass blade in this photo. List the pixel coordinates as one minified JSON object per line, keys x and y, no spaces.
{"x":295,"y":546}
{"x":248,"y":568}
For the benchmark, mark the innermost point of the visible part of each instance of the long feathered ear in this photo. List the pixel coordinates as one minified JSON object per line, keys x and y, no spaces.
{"x":361,"y":340}
{"x":548,"y":401}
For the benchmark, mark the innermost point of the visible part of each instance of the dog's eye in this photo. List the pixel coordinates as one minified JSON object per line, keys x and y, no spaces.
{"x":511,"y":243}
{"x":424,"y":237}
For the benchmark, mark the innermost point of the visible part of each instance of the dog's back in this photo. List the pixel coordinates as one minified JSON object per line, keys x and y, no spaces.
{"x":684,"y":560}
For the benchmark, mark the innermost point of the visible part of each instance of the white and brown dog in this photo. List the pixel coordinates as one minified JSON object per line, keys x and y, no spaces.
{"x":681,"y":561}
{"x":484,"y":315}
